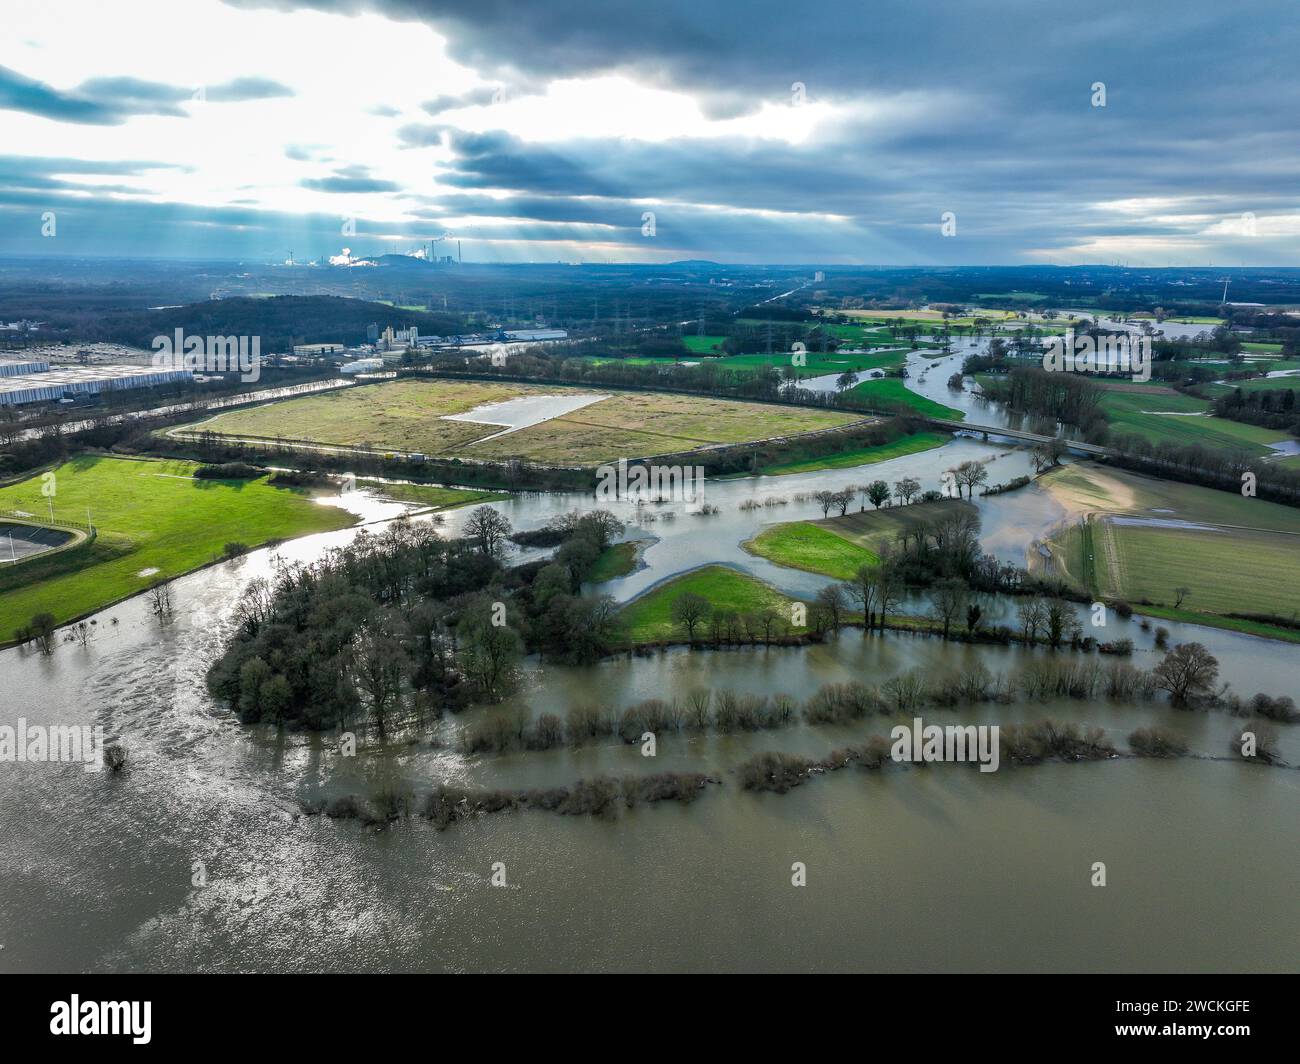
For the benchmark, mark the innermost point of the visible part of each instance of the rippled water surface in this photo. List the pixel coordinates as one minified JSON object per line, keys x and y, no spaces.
{"x":921,"y":869}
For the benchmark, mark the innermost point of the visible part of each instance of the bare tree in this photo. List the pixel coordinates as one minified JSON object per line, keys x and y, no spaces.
{"x":488,"y":529}
{"x":160,"y":600}
{"x":690,"y":610}
{"x":254,"y":606}
{"x":828,"y":608}
{"x":1049,"y":454}
{"x":970,"y":474}
{"x":863,"y":589}
{"x":1186,"y":671}
{"x":41,"y":630}
{"x":1033,"y":616}
{"x":1060,"y":622}
{"x":951,"y":597}
{"x":906,"y":489}
{"x":771,"y":622}
{"x":377,"y":661}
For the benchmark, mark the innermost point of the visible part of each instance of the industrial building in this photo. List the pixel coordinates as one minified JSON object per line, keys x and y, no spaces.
{"x":391,"y":338}
{"x":49,"y":386}
{"x":12,"y":368}
{"x":318,"y":350}
{"x":521,"y":335}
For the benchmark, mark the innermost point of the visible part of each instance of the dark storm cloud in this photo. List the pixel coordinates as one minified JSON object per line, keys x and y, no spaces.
{"x":108,"y":101}
{"x":474,"y":98}
{"x":740,"y":52}
{"x":33,"y":173}
{"x":19,"y":93}
{"x":981,"y":109}
{"x":350,"y":179}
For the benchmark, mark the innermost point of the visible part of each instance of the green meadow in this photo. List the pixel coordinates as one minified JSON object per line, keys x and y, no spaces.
{"x":1234,"y":554}
{"x":704,"y":345}
{"x":893,"y":391}
{"x":904,"y":445}
{"x":804,"y":545}
{"x":1181,"y":419}
{"x":649,"y":618}
{"x":615,"y":561}
{"x":153,"y":521}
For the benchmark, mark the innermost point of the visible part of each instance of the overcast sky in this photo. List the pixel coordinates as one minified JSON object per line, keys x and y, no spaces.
{"x":751,"y":130}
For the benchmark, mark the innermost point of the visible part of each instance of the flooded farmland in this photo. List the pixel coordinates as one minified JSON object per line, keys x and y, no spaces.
{"x":99,"y":868}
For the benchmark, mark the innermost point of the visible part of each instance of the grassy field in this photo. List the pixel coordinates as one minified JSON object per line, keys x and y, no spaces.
{"x":407,"y":416}
{"x":402,"y":416}
{"x":153,"y":521}
{"x":892,"y":390}
{"x":1004,"y":319}
{"x":1015,"y":297}
{"x":1228,"y":570}
{"x":703,"y":345}
{"x":859,"y":334}
{"x":649,"y":618}
{"x":804,"y":545}
{"x":617,"y":560}
{"x":1241,"y":556}
{"x":1257,"y":384}
{"x":911,"y":444}
{"x":1230,"y":624}
{"x":1170,"y":418}
{"x":819,"y":364}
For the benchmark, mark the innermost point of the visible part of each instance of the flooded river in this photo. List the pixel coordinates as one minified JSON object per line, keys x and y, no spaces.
{"x":908,"y":870}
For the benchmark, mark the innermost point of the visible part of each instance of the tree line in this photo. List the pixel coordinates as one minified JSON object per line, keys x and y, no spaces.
{"x":407,"y":623}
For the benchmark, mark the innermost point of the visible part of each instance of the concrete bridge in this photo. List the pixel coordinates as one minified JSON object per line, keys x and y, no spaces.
{"x":1018,"y":434}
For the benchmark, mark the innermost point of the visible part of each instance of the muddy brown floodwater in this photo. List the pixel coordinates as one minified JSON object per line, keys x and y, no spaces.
{"x":908,"y":870}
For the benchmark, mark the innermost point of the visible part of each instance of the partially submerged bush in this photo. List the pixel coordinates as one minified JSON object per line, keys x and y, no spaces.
{"x":872,"y":754}
{"x":345,"y":807}
{"x":1045,"y":739}
{"x":663,"y":787}
{"x":1263,"y":738}
{"x":775,"y":772}
{"x":114,"y":757}
{"x":1156,"y":742}
{"x":837,"y":703}
{"x":391,"y":803}
{"x":584,"y":723}
{"x":1280,"y":708}
{"x":598,"y":796}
